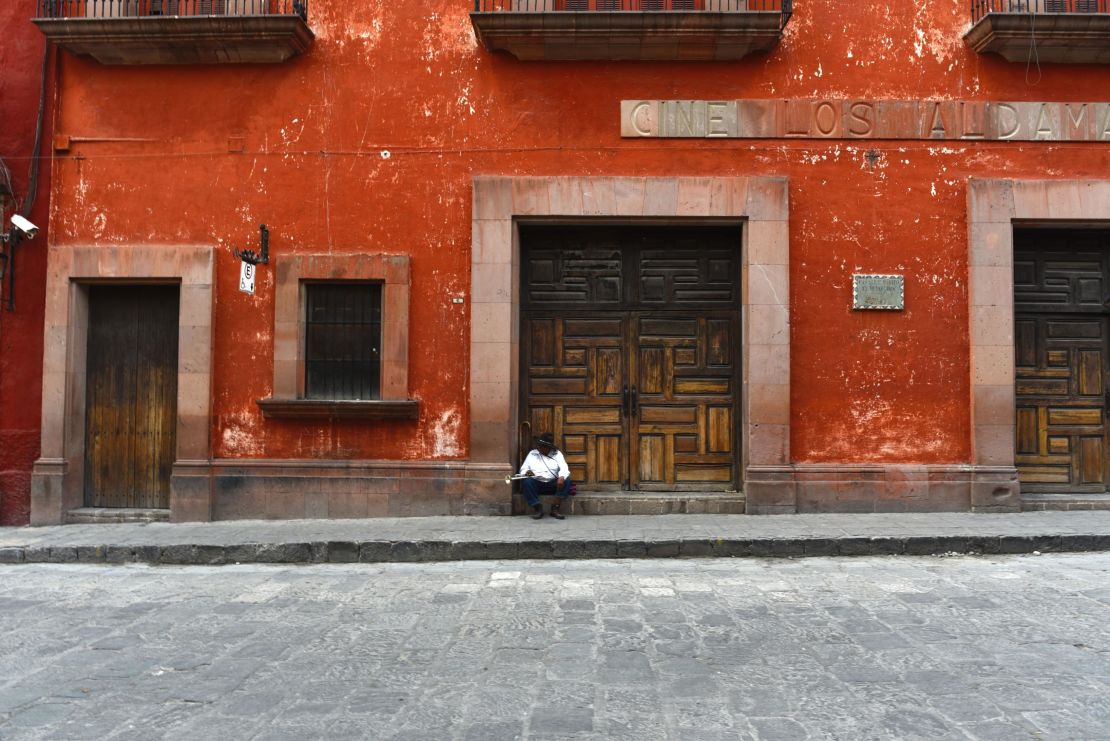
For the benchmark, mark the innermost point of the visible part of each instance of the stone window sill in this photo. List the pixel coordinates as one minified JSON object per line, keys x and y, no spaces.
{"x":326,"y":409}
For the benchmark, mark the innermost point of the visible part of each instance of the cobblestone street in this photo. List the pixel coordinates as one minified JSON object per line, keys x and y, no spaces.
{"x":865,"y":648}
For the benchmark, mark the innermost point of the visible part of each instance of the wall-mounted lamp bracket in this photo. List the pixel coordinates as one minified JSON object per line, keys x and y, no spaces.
{"x":263,"y":255}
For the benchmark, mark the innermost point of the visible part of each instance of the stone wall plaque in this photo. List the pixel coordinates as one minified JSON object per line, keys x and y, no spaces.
{"x":943,"y":120}
{"x":878,"y":292}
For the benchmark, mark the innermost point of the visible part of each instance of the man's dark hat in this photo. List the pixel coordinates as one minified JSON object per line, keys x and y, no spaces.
{"x":546,"y":439}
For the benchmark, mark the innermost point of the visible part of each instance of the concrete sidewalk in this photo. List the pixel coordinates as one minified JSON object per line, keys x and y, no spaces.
{"x":473,"y":538}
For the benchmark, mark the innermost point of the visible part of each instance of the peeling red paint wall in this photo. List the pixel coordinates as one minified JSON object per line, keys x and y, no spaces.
{"x":21,"y":331}
{"x":369,"y":142}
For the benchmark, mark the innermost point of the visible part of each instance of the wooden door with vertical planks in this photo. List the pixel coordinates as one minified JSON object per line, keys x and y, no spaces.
{"x":629,"y":347}
{"x":131,"y":397}
{"x":1061,"y":294}
{"x":576,"y":381}
{"x":683,"y":418}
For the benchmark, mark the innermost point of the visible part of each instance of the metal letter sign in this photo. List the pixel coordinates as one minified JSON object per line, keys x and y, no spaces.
{"x":878,"y":292}
{"x":246,"y":277}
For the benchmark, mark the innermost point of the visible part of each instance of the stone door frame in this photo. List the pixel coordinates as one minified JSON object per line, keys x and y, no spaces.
{"x":760,"y":204}
{"x":995,"y":207}
{"x":57,"y":481}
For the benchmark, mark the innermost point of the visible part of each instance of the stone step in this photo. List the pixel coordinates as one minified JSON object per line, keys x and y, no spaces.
{"x":95,"y":515}
{"x":1040,"y":502}
{"x":646,"y":503}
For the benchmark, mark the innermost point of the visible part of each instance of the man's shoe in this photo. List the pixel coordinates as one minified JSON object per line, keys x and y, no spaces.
{"x":537,"y":512}
{"x":557,"y":512}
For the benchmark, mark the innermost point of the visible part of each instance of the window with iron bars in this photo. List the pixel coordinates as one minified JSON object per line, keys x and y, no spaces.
{"x":343,"y":333}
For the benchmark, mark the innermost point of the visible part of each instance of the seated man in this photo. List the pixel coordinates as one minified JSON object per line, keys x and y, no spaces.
{"x":550,"y":475}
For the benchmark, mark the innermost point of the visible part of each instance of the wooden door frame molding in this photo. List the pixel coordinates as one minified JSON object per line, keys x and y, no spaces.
{"x":761,"y":204}
{"x":57,"y":480}
{"x":994,"y":207}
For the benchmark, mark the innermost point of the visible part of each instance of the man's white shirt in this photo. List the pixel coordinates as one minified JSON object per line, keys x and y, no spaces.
{"x":546,"y":468}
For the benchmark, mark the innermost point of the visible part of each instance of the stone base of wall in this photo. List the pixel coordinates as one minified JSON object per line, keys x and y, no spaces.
{"x":881,"y":488}
{"x":1064,"y":502}
{"x":286,"y":489}
{"x":642,"y":503}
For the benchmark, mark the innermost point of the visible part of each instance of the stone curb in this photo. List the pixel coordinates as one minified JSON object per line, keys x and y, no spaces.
{"x":382,"y":551}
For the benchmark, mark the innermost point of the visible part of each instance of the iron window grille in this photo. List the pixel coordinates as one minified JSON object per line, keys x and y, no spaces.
{"x":343,"y":337}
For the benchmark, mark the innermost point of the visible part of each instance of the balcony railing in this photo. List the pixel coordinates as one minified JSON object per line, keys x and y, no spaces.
{"x":632,"y":6}
{"x":178,"y":31}
{"x":666,"y":30}
{"x":1067,"y":31}
{"x":980,"y":8}
{"x":141,"y":8}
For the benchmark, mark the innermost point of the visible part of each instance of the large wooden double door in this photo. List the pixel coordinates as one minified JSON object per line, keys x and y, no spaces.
{"x":131,"y":397}
{"x":630,"y":341}
{"x":1061,"y":312}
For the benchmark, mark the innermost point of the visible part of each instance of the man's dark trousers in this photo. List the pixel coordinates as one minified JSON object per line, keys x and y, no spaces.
{"x":533,"y":489}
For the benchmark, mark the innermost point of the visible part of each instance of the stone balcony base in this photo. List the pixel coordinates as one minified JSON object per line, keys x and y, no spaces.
{"x":627,"y":35}
{"x":1071,"y":38}
{"x":181,"y":40}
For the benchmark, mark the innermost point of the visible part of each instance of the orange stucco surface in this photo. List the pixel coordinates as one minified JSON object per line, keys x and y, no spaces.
{"x":369,"y":143}
{"x":21,"y":329}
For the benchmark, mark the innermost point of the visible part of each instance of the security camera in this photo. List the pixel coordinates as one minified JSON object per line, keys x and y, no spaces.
{"x":26,"y":228}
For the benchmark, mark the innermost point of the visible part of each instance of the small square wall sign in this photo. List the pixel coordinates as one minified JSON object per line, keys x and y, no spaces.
{"x":246,"y":277}
{"x":878,"y":292}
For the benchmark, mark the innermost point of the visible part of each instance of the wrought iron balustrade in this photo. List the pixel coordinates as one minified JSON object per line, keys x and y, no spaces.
{"x":179,"y":8}
{"x":980,"y":8}
{"x":631,"y":6}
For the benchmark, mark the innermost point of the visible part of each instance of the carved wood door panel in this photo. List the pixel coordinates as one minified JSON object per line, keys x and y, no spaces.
{"x":131,"y":403}
{"x":1060,"y":342}
{"x":576,"y":385}
{"x":683,"y":422}
{"x":629,"y":351}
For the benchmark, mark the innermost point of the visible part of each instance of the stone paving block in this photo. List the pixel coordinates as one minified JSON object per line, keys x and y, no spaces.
{"x":1048,"y":543}
{"x":820,"y":547}
{"x":92,"y":553}
{"x":695,"y":548}
{"x":541,"y":549}
{"x":1016,"y":544}
{"x":210,"y":555}
{"x":787,"y":548}
{"x":888,"y":546}
{"x":178,"y":554}
{"x":923,"y":546}
{"x":631,"y":549}
{"x":11,"y":555}
{"x":424,"y":550}
{"x":284,"y":553}
{"x":986,"y":545}
{"x":467,"y":550}
{"x":854,"y":546}
{"x":374,"y":551}
{"x":342,"y":551}
{"x":501,"y":550}
{"x":660,"y":549}
{"x":581,"y":549}
{"x":761,"y":547}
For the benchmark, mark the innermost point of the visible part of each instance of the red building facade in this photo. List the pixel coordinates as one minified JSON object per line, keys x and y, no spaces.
{"x":639,"y":228}
{"x":21,"y":58}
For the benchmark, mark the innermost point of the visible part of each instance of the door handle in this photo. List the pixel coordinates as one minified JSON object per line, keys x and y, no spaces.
{"x":626,"y":404}
{"x":635,"y":402}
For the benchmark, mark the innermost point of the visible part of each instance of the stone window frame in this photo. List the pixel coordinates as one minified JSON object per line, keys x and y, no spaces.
{"x":58,"y":477}
{"x":995,"y":207}
{"x":292,"y":273}
{"x":760,"y":204}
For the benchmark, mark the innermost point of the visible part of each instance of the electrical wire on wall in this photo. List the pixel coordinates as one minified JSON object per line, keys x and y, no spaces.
{"x":6,"y":191}
{"x":7,"y":262}
{"x":1034,"y":56}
